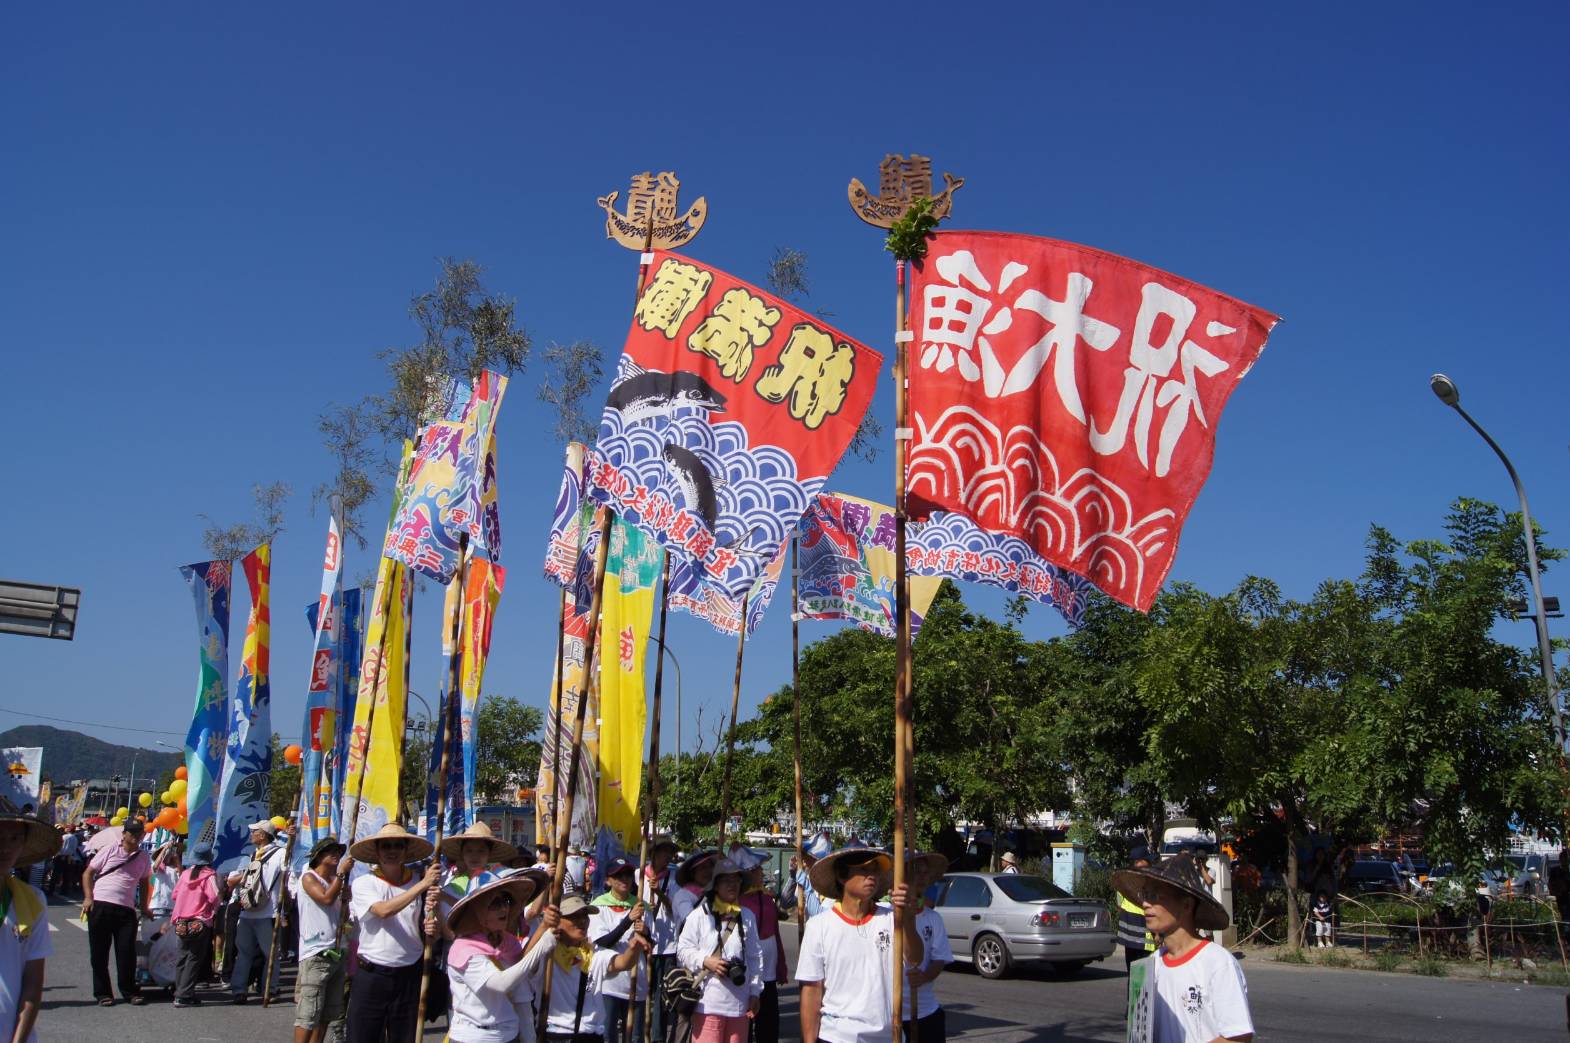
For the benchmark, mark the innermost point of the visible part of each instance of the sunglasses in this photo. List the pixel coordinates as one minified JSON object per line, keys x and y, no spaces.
{"x":1152,"y":896}
{"x":501,"y":902}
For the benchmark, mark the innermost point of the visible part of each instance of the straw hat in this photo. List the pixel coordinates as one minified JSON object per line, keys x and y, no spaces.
{"x":501,"y":851}
{"x":1182,"y":873}
{"x":690,"y":864}
{"x":934,"y":864}
{"x":819,"y":846}
{"x":365,"y":850}
{"x":38,"y":842}
{"x":471,"y":893}
{"x":726,"y":867}
{"x":823,"y":876}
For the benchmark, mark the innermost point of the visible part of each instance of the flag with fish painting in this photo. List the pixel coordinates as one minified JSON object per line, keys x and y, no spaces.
{"x":847,"y":566}
{"x":729,"y":410}
{"x":953,"y":546}
{"x":209,"y":730}
{"x":248,"y":758}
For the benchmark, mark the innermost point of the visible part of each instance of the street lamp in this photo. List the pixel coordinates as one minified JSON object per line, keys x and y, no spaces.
{"x":1450,"y":395}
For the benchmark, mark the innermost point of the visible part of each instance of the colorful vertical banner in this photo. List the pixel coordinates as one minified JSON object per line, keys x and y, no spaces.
{"x":205,"y":739}
{"x":632,"y":571}
{"x":452,"y":481}
{"x":729,"y":410}
{"x":375,"y":754}
{"x":691,"y":592}
{"x":848,"y":569}
{"x":1069,"y":398}
{"x":248,"y":756}
{"x":351,"y":634}
{"x":319,"y":726}
{"x":456,"y":723}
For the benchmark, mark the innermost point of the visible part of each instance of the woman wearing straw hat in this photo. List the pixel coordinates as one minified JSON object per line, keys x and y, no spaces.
{"x":719,"y":946}
{"x":491,"y":995}
{"x":1197,"y":989}
{"x":846,"y":962}
{"x":474,"y":851}
{"x":386,"y":902}
{"x":24,"y":930}
{"x":692,"y":882}
{"x":319,"y":983}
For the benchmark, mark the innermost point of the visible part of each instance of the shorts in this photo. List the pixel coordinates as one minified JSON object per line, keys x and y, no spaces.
{"x":319,"y":992}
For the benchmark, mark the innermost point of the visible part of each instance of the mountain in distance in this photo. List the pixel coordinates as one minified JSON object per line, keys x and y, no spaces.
{"x":71,"y":755}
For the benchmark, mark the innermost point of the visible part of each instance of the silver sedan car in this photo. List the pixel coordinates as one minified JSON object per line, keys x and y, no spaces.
{"x":995,"y":920}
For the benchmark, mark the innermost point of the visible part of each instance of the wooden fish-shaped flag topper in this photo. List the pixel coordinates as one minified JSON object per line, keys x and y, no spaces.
{"x":901,"y":181}
{"x":651,"y":220}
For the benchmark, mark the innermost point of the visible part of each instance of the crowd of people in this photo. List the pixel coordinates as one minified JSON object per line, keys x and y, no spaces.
{"x":684,"y":949}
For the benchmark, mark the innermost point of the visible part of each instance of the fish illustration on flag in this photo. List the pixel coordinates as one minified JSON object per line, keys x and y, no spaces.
{"x":847,"y":562}
{"x":729,"y":410}
{"x":248,"y":757}
{"x":209,"y":731}
{"x":1069,"y":397}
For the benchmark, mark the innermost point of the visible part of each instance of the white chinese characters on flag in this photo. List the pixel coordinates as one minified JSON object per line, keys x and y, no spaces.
{"x":1070,"y":397}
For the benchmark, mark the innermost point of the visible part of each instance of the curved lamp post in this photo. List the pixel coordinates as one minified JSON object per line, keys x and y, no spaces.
{"x":1447,"y":392}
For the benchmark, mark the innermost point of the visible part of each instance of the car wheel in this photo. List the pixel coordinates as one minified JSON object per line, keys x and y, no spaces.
{"x":1069,"y":969}
{"x":991,"y":956}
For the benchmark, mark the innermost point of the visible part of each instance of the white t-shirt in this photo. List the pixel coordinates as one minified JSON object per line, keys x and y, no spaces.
{"x":163,"y":881}
{"x":1199,"y":997}
{"x":699,"y":940}
{"x":564,"y":990}
{"x":394,"y":941}
{"x":15,"y":954}
{"x":936,"y":949}
{"x":662,"y":928}
{"x":480,"y":1015}
{"x":318,"y":923}
{"x":604,"y":920}
{"x":272,"y":866}
{"x":852,"y":959}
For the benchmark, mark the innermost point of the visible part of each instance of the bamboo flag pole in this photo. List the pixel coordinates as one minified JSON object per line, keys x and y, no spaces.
{"x":561,"y":652}
{"x":912,"y":180}
{"x":449,"y":725}
{"x":730,"y":735}
{"x":564,"y":825}
{"x":651,"y":807}
{"x":795,"y":694}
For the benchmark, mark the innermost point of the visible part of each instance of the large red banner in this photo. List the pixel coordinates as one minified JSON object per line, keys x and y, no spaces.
{"x":1070,"y":397}
{"x":729,"y":410}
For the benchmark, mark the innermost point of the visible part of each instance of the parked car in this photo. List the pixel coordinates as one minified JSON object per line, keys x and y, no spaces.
{"x":1531,"y":874}
{"x":995,"y":920}
{"x":1373,"y":876}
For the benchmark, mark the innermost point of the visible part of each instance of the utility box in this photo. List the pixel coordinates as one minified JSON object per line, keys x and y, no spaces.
{"x":1068,"y":862}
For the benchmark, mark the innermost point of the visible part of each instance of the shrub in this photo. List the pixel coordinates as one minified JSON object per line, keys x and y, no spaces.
{"x":1387,"y":959}
{"x":1431,"y":967}
{"x":1291,"y":956}
{"x":1333,"y":957}
{"x":1096,"y":883}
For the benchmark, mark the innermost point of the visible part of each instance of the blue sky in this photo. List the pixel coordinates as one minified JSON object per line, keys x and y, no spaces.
{"x":214,"y":219}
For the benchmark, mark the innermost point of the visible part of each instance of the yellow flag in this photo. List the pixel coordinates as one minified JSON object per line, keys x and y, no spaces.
{"x":627,"y":606}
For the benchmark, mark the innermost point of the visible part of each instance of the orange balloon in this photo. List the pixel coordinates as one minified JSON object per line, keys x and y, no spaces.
{"x":179,"y":806}
{"x":180,"y":772}
{"x":292,"y":753}
{"x":162,"y":821}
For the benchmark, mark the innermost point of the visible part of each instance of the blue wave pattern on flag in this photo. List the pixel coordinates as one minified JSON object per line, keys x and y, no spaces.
{"x":953,"y":546}
{"x":690,"y":593}
{"x":204,"y":741}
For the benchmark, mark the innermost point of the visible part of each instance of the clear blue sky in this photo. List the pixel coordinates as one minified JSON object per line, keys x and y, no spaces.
{"x":211,"y":220}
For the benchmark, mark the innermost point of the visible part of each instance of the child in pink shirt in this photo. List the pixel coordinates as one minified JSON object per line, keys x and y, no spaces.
{"x":196,"y":903}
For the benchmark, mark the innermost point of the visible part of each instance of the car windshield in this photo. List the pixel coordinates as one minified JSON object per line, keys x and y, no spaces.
{"x":1029,"y":888}
{"x":1519,"y":861}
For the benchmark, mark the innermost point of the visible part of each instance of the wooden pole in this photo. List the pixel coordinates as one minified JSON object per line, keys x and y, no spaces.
{"x":903,"y":742}
{"x":288,"y":860}
{"x":730,"y":735}
{"x":564,"y":825}
{"x":795,"y":695}
{"x":449,"y":735}
{"x":561,"y":652}
{"x":651,"y":809}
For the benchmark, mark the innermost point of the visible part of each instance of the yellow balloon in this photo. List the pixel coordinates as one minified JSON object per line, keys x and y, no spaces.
{"x":123,"y":812}
{"x":177,"y":787}
{"x":166,"y":797}
{"x":145,"y":800}
{"x":280,"y":822}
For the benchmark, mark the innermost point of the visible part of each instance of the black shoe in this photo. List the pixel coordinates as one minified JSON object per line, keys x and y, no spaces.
{"x":239,"y":999}
{"x":187,"y":1003}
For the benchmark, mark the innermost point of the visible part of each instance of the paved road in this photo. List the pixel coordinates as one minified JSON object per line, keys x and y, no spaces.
{"x":1290,"y":1005}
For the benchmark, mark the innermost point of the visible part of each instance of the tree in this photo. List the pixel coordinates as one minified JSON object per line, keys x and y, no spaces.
{"x":283,"y":790}
{"x":347,"y":435}
{"x":226,"y":543}
{"x":465,"y":329}
{"x":572,"y":371}
{"x":507,"y":747}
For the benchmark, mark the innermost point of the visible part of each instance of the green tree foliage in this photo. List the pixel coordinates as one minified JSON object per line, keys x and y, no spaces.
{"x":283,"y":788}
{"x":507,"y":751}
{"x":572,"y":371}
{"x":349,"y":436}
{"x":230,"y":542}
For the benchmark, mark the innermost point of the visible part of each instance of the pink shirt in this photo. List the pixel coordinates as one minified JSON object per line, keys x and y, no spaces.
{"x":118,"y":886}
{"x":196,"y":895}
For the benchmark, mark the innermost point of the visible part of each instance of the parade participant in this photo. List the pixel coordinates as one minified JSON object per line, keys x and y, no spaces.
{"x":473,"y":851}
{"x":255,"y":886}
{"x":756,"y":899}
{"x":798,"y":886}
{"x":71,"y":858}
{"x":719,"y":947}
{"x":846,"y":962}
{"x":617,"y":914}
{"x":1200,"y":993}
{"x":577,"y":1012}
{"x":319,"y":985}
{"x":656,"y":889}
{"x":692,"y":880}
{"x":387,"y":904}
{"x":491,"y":992}
{"x":167,"y":864}
{"x":1010,"y":862}
{"x":1137,"y":942}
{"x":24,"y":928}
{"x":197,"y":895}
{"x":113,"y":889}
{"x":923,"y":870}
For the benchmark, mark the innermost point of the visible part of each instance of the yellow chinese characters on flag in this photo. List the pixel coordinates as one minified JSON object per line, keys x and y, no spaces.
{"x":631,"y":571}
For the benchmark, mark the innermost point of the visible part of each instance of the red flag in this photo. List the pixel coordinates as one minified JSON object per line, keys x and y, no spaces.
{"x":1070,"y":397}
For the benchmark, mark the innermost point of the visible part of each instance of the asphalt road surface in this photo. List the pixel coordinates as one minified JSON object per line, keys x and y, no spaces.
{"x":1290,"y":1004}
